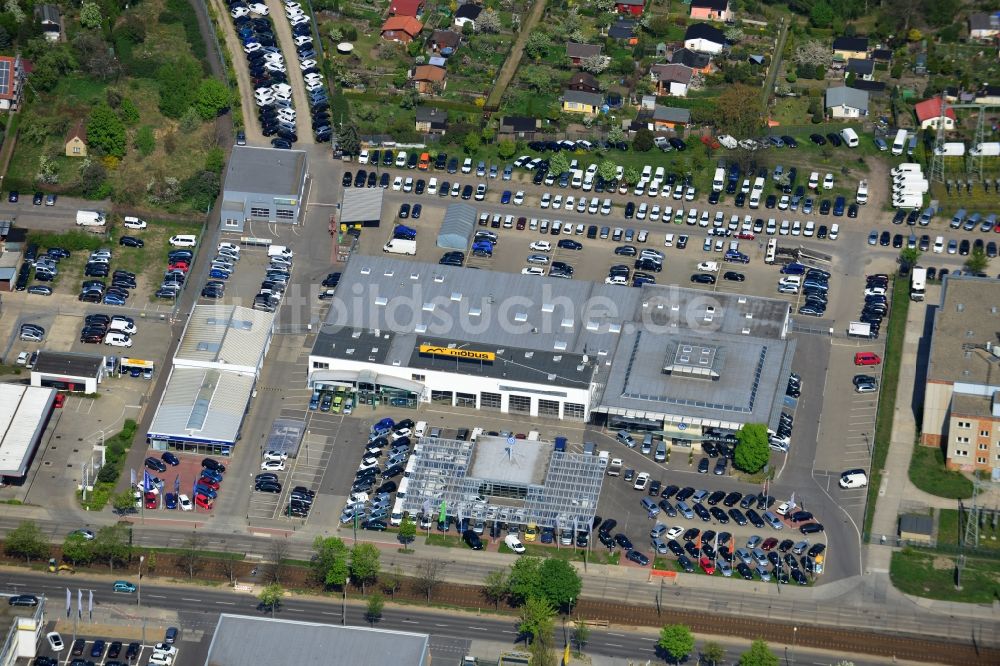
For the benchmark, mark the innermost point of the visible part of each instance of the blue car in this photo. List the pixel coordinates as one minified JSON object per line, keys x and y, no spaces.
{"x":170,"y":500}
{"x":170,"y":459}
{"x":205,"y":490}
{"x":505,"y":197}
{"x":212,"y":474}
{"x":113,"y":299}
{"x":219,"y":274}
{"x":314,"y":402}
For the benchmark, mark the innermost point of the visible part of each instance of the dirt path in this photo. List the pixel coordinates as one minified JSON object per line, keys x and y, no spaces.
{"x":514,"y":57}
{"x":283,"y":31}
{"x":232,"y":44}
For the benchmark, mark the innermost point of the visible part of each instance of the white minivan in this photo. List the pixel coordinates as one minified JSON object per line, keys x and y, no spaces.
{"x":853,"y":478}
{"x":184,"y":240}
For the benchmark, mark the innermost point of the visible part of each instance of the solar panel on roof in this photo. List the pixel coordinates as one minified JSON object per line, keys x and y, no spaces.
{"x":4,"y":77}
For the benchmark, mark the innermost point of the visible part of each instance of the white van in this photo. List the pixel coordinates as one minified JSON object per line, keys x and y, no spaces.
{"x":411,"y":465}
{"x":396,"y":517}
{"x":899,"y":143}
{"x":853,"y":478}
{"x":404,"y":485}
{"x":89,"y":218}
{"x":420,"y":429}
{"x":476,"y":432}
{"x":850,"y":137}
{"x":117,"y":339}
{"x":132,"y":222}
{"x":184,"y":240}
{"x":122,"y":326}
{"x":279,"y":251}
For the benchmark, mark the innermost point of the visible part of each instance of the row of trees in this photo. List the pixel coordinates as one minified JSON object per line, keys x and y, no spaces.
{"x":676,"y":643}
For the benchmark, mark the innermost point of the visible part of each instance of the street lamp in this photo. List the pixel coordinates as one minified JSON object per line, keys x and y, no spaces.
{"x":795,"y":635}
{"x":138,"y":597}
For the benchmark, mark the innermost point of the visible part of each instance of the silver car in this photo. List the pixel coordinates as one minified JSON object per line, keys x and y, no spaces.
{"x":539,"y":259}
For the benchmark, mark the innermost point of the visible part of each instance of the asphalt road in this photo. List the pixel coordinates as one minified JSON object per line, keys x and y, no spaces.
{"x":451,"y":631}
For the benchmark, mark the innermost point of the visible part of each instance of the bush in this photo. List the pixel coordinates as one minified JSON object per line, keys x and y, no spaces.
{"x":71,"y":240}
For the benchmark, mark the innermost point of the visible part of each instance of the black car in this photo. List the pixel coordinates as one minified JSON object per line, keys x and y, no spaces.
{"x":732,"y":498}
{"x":715,"y":497}
{"x":472,"y":540}
{"x":755,"y":518}
{"x":376,"y":526}
{"x":685,"y":493}
{"x":817,"y":139}
{"x":744,"y":571}
{"x":669,"y":491}
{"x":713,"y":198}
{"x":156,"y":464}
{"x":703,"y":278}
{"x":629,"y":210}
{"x":608,"y":525}
{"x":569,"y":244}
{"x":685,"y":563}
{"x":606,"y":540}
{"x":637,"y":557}
{"x":733,"y":276}
{"x":835,"y":139}
{"x":23,"y":600}
{"x":738,"y":517}
{"x":623,"y":541}
{"x":347,"y":179}
{"x":130,"y":241}
{"x":675,"y":547}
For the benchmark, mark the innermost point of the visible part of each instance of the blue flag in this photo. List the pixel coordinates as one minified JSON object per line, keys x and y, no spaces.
{"x":147,"y":480}
{"x":177,"y":483}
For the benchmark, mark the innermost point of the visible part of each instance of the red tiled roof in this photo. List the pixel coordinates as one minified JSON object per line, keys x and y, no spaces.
{"x":407,"y":24}
{"x":405,"y":7}
{"x":931,"y":108}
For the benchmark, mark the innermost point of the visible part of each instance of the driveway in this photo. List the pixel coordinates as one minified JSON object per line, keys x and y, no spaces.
{"x":235,"y":48}
{"x":283,"y":31}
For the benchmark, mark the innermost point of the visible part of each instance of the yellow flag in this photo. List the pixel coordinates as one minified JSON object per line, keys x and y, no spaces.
{"x":566,"y":655}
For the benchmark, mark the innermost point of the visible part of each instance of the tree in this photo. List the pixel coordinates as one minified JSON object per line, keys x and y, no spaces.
{"x":738,"y":112}
{"x":92,"y":176}
{"x":595,"y":64}
{"x":330,"y":561}
{"x":506,"y":149}
{"x":537,"y":45}
{"x":821,"y":15}
{"x":105,"y":131}
{"x":128,"y":112}
{"x":525,"y":578}
{"x":812,"y":53}
{"x":496,"y":587}
{"x":90,"y":15}
{"x":472,"y":142}
{"x":607,"y":169}
{"x":145,"y":140}
{"x":536,"y":618}
{"x":734,"y":34}
{"x":391,"y":580}
{"x":174,"y":80}
{"x":229,"y":564}
{"x":676,"y":641}
{"x":759,"y":655}
{"x":373,"y":613}
{"x":908,"y":256}
{"x":558,"y":163}
{"x":616,"y":134}
{"x":270,"y":597}
{"x":76,"y":548}
{"x":977,"y":261}
{"x":581,"y":634}
{"x":123,"y":502}
{"x":713,"y":652}
{"x":348,"y":139}
{"x":407,"y":530}
{"x":429,"y":575}
{"x":27,"y":541}
{"x":560,"y":583}
{"x":630,"y":175}
{"x":190,"y":555}
{"x":643,"y":141}
{"x":752,"y":449}
{"x":95,"y":56}
{"x":112,"y":544}
{"x":150,"y":562}
{"x":364,"y":564}
{"x":488,"y":22}
{"x":211,"y":99}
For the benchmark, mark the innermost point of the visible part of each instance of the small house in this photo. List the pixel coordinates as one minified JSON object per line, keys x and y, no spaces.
{"x":862,"y":69}
{"x":48,"y":17}
{"x":845,"y":102}
{"x":584,"y":81}
{"x":669,"y":117}
{"x":623,"y":30}
{"x":850,"y":47}
{"x":402,"y":29}
{"x":920,"y":64}
{"x":76,"y":140}
{"x":984,"y":27}
{"x":633,"y":7}
{"x":577,"y":53}
{"x":12,"y":75}
{"x":519,"y":127}
{"x":672,"y":80}
{"x":445,"y":42}
{"x":700,"y":62}
{"x":882,"y":55}
{"x":704,"y":38}
{"x":414,"y":8}
{"x":577,"y":101}
{"x":431,"y":120}
{"x":930,"y":115}
{"x":711,"y":10}
{"x":988,"y":94}
{"x":915,"y":528}
{"x":467,"y":13}
{"x":426,"y":77}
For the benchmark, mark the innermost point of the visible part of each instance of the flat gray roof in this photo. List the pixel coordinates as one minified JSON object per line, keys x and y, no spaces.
{"x":203,"y":405}
{"x":24,"y":411}
{"x":967,"y":319}
{"x":225,"y":335}
{"x":361,"y":204}
{"x":69,"y":364}
{"x":522,"y":462}
{"x":266,"y":171}
{"x":240,"y":640}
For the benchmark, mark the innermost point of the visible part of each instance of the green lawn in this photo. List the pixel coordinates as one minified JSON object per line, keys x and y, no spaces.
{"x":887,"y":397}
{"x":444,"y":540}
{"x":932,"y":576}
{"x":927,"y":472}
{"x":949,"y":531}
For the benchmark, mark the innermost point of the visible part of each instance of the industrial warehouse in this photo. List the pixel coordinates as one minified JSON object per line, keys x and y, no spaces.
{"x":665,"y":359}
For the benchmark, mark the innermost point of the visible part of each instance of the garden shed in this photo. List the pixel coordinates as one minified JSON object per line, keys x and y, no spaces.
{"x":456,"y":229}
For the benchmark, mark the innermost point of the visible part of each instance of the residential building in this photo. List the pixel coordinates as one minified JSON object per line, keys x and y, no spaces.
{"x":76,"y":140}
{"x":669,"y":117}
{"x":402,"y":29}
{"x":882,"y":55}
{"x":584,"y":81}
{"x":48,"y":17}
{"x":12,"y":75}
{"x":445,"y":42}
{"x":577,"y":53}
{"x":845,"y":102}
{"x":700,"y":62}
{"x":623,"y":30}
{"x":984,"y":26}
{"x":467,"y":13}
{"x":929,"y":114}
{"x":426,"y":77}
{"x":24,"y":415}
{"x":633,"y":7}
{"x":961,"y":401}
{"x":431,"y":120}
{"x":671,"y":80}
{"x":711,"y":10}
{"x":704,"y":38}
{"x":262,"y":185}
{"x":576,"y":101}
{"x":414,"y":8}
{"x":519,"y":127}
{"x":850,"y":47}
{"x":862,"y":69}
{"x":988,"y":94}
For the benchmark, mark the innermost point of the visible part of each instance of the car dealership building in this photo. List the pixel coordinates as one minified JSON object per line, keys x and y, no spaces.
{"x":662,"y":358}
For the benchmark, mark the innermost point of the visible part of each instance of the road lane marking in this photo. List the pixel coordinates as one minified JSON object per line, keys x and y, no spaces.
{"x":186,"y":599}
{"x":614,"y":634}
{"x":441,"y":625}
{"x":157,"y":596}
{"x":410,"y":621}
{"x":226,"y":603}
{"x":478,"y":628}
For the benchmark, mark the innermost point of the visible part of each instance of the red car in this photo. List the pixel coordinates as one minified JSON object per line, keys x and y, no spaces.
{"x":521,"y":222}
{"x":178,"y":266}
{"x":59,"y":401}
{"x":203,"y":502}
{"x":210,"y":483}
{"x":769,"y":544}
{"x":746,"y":235}
{"x":152,"y":501}
{"x":707,"y":565}
{"x":866,"y":358}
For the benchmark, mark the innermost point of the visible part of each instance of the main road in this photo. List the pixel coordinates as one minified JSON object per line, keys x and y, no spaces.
{"x":450,"y":630}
